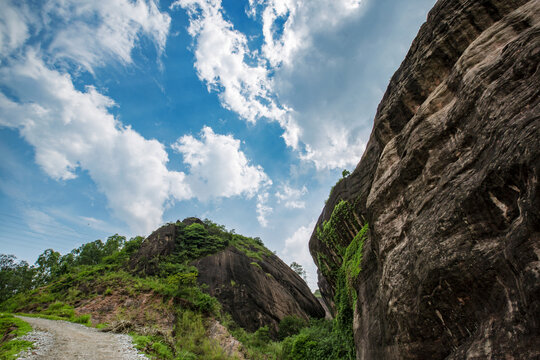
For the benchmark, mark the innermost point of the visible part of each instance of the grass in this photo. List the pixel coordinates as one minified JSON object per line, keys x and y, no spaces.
{"x":61,"y":311}
{"x":250,"y":247}
{"x":11,"y":328}
{"x":153,"y":346}
{"x":172,"y":286}
{"x":256,"y":265}
{"x":257,"y":345}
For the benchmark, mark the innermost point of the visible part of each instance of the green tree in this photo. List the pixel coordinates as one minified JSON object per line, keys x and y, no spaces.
{"x":133,"y":244}
{"x":345,"y":173}
{"x":90,"y":253}
{"x":113,"y":244}
{"x":14,"y":277}
{"x":66,"y":263}
{"x":298,"y":269}
{"x":47,"y":266}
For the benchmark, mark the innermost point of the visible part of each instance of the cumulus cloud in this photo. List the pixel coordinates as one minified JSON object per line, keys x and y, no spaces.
{"x":336,"y":58}
{"x":289,"y":25}
{"x":90,"y":33}
{"x":320,"y":71}
{"x":74,"y":130}
{"x":308,"y":80}
{"x":225,"y":63}
{"x":244,"y":78}
{"x":217,"y":166}
{"x":71,"y":129}
{"x":297,"y":249}
{"x":13,"y":27}
{"x":221,"y":57}
{"x":292,"y":198}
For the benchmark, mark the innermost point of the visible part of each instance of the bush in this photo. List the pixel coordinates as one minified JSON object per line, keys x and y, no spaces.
{"x":319,"y":341}
{"x":192,"y":340}
{"x":206,"y":303}
{"x":261,"y":336}
{"x":60,"y":309}
{"x":290,"y":325}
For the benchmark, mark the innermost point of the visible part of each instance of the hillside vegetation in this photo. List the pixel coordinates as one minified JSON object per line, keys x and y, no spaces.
{"x":169,"y":315}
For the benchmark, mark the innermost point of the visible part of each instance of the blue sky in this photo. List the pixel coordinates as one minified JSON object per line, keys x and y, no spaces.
{"x":117,"y":116}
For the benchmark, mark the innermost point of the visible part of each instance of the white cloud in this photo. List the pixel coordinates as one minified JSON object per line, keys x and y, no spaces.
{"x":244,"y":78}
{"x":221,"y":57}
{"x":93,"y":32}
{"x":263,"y":209}
{"x":217,"y":166}
{"x":225,"y":63}
{"x":291,"y":30}
{"x":73,"y":130}
{"x":41,"y":223}
{"x":320,"y":72}
{"x":291,"y":197}
{"x":13,"y":28}
{"x":70,"y":129}
{"x":300,"y":21}
{"x":297,"y":249}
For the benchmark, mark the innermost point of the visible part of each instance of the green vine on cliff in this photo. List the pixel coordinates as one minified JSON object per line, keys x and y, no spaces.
{"x":342,"y":226}
{"x":337,"y":233}
{"x":346,"y":296}
{"x":343,"y":235}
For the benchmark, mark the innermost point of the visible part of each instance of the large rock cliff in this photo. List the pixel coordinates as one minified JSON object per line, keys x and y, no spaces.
{"x":252,"y":284}
{"x":449,"y":187}
{"x":257,"y":293}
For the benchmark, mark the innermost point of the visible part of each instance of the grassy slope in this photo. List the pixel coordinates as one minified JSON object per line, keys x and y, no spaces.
{"x":168,"y":314}
{"x":10,"y":329}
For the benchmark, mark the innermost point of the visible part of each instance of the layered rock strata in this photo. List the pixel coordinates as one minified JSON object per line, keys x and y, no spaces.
{"x":449,"y":186}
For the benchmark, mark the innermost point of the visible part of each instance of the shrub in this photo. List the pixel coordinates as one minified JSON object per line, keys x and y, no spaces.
{"x":60,"y":309}
{"x":206,"y":303}
{"x":290,"y":325}
{"x":319,"y":341}
{"x":261,"y":336}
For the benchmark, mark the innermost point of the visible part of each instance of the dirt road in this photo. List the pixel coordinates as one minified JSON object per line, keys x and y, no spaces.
{"x":61,"y":340}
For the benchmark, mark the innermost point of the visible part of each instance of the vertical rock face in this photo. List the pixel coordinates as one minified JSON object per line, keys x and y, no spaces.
{"x":257,"y":293}
{"x":449,"y":186}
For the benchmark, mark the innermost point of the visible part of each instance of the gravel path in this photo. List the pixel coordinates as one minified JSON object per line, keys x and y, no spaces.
{"x":62,"y":340}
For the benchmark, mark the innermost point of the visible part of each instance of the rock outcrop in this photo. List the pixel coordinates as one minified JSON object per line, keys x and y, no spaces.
{"x":257,"y":293}
{"x":251,"y":283}
{"x":449,"y":186}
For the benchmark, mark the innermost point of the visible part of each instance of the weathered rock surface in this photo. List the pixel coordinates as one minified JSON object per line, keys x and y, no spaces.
{"x":159,"y":244}
{"x":449,"y":186}
{"x":257,"y":293}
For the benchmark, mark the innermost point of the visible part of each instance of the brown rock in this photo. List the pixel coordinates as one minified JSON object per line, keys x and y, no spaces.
{"x":449,"y":186}
{"x":257,"y":293}
{"x":159,"y":244}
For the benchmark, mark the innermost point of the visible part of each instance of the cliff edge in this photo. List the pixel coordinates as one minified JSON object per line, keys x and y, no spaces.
{"x":448,"y":184}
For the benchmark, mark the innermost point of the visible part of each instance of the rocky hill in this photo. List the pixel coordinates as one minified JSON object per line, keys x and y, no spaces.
{"x":190,"y":290}
{"x":448,"y":186}
{"x":253,"y":285}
